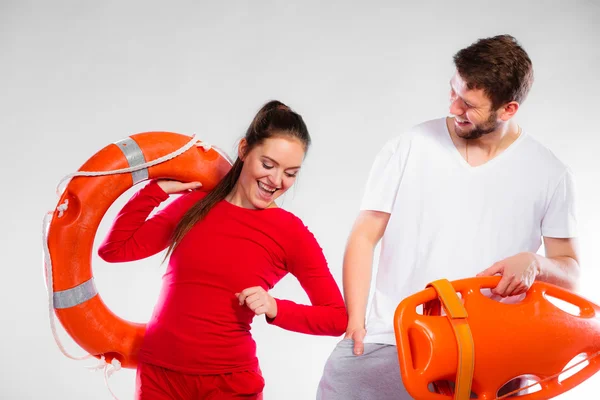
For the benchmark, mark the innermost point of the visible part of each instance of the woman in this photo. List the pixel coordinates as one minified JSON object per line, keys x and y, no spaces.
{"x":227,"y":248}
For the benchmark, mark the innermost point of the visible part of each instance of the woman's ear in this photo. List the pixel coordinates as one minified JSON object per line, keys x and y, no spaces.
{"x":242,"y":149}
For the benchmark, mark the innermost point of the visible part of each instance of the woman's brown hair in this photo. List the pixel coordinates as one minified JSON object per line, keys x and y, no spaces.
{"x":274,"y":119}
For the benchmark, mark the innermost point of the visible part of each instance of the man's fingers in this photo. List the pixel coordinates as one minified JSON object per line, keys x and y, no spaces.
{"x":359,"y":348}
{"x":514,"y":288}
{"x":491,"y":271}
{"x":358,"y":337}
{"x":503,"y":285}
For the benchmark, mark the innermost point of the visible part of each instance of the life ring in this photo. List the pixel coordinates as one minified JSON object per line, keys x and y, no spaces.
{"x":73,"y":226}
{"x":481,"y":344}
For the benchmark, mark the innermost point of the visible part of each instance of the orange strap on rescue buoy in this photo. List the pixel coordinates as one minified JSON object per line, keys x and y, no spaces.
{"x":506,"y":340}
{"x":70,"y":232}
{"x":457,"y":315}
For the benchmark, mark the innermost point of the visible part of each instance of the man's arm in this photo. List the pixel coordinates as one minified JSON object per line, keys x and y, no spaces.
{"x":358,"y":262}
{"x":561,"y":264}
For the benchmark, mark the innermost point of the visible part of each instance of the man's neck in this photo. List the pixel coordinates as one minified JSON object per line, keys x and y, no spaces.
{"x":497,"y":141}
{"x":483,"y":149}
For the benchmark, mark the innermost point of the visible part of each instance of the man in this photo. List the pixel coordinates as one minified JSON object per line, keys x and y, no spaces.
{"x":456,"y":197}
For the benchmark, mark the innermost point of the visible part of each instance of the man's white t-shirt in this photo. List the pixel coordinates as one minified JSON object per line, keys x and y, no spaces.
{"x":451,"y":220}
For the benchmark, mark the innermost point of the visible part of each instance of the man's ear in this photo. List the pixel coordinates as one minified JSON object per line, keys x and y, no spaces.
{"x":508,"y":111}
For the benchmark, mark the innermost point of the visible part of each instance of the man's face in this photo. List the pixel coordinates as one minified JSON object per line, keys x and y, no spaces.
{"x":472,"y":110}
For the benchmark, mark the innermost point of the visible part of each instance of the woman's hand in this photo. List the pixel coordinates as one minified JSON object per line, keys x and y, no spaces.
{"x":259,"y":301}
{"x":173,"y":187}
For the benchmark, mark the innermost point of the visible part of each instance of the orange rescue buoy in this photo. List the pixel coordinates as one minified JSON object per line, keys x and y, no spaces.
{"x":73,"y":225}
{"x":482,"y":344}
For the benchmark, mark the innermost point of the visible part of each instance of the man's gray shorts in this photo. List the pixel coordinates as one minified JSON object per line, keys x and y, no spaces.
{"x":374,"y":375}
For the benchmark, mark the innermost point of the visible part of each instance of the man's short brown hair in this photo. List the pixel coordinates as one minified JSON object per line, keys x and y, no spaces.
{"x":497,"y":65}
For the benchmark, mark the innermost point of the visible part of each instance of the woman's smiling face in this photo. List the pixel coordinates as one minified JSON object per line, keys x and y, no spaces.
{"x":269,"y":170}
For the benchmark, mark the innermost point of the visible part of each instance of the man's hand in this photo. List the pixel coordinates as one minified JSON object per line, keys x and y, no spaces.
{"x":358,"y":335}
{"x":518,"y":274}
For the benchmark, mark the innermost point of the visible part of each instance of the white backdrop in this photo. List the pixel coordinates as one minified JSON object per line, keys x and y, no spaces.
{"x":76,"y":76}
